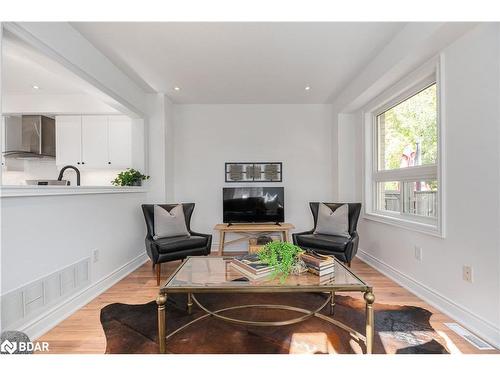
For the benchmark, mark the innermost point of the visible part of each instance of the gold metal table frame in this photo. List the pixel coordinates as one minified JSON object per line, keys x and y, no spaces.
{"x":367,"y":291}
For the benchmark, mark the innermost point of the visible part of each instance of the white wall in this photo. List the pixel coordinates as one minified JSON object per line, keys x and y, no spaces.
{"x":169,"y":151}
{"x":157,"y":155}
{"x":206,"y":136}
{"x":43,"y":234}
{"x":349,"y":157}
{"x":471,"y":84}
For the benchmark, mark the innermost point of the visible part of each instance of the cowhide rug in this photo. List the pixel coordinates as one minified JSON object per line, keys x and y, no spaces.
{"x":398,"y":329}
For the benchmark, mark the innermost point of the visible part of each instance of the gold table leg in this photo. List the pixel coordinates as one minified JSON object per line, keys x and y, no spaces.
{"x":332,"y":303}
{"x":370,"y":323}
{"x":161,"y":300}
{"x":190,"y":303}
{"x":222,"y":236}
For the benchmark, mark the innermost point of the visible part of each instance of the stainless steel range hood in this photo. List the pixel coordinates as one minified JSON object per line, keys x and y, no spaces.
{"x":30,"y":136}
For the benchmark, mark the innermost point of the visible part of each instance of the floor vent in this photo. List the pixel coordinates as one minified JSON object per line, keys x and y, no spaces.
{"x":473,"y":339}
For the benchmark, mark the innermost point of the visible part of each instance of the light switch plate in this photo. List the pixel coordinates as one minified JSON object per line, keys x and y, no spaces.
{"x":467,"y":273}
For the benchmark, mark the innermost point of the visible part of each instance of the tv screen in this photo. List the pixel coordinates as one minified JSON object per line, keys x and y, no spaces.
{"x":253,"y":205}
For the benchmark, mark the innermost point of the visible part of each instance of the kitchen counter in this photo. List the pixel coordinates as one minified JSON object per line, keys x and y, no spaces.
{"x":10,"y":191}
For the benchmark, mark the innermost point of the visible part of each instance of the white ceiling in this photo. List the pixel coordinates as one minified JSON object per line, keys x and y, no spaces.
{"x":241,"y":62}
{"x":23,"y":67}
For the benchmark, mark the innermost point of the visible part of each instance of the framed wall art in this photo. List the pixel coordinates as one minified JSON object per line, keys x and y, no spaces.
{"x":253,"y":171}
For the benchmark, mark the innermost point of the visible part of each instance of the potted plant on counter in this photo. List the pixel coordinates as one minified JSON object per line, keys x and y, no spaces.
{"x":129,"y":177}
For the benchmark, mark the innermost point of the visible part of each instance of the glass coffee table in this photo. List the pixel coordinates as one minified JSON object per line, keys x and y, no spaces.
{"x":197,"y":275}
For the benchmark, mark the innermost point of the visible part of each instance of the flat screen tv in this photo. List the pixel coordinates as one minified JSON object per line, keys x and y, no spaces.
{"x":253,"y":205}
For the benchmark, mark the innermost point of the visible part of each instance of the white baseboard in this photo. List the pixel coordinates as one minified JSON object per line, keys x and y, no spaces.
{"x":42,"y":324}
{"x":483,"y":328}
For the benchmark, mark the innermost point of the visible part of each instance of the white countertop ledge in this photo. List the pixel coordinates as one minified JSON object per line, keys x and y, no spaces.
{"x":34,"y":191}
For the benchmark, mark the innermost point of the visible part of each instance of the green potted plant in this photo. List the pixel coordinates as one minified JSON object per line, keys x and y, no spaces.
{"x":129,"y":177}
{"x":282,"y":256}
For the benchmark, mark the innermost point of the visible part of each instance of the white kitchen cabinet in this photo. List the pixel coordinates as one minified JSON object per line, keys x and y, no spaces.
{"x":119,"y":142}
{"x":95,"y":141}
{"x":68,"y":140}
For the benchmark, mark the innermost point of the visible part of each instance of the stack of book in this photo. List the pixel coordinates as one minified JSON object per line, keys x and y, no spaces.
{"x":321,"y":265}
{"x":327,"y":279}
{"x":251,"y":266}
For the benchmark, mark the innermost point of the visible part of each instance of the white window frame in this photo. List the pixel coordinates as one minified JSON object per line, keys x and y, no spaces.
{"x":431,"y":72}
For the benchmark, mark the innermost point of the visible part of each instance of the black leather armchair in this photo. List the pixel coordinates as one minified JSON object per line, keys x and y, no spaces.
{"x":342,"y":248}
{"x":173,"y":248}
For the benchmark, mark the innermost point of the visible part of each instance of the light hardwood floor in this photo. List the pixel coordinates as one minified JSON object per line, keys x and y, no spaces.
{"x":82,"y":331}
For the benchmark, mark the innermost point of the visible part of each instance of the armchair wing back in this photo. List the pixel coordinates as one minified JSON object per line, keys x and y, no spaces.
{"x":354,"y":211}
{"x":342,"y":248}
{"x":148,"y":210}
{"x":166,"y":249}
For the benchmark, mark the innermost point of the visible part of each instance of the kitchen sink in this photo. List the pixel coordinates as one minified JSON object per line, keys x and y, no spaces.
{"x":48,"y":182}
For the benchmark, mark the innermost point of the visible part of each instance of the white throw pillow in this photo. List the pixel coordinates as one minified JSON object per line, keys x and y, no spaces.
{"x":169,"y":224}
{"x":335,"y":223}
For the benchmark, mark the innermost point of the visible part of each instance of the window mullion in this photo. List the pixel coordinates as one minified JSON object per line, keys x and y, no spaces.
{"x":407,"y":174}
{"x":402,"y":197}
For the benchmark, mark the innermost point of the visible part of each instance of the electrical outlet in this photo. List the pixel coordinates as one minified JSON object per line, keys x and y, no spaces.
{"x":95,"y":256}
{"x":418,"y":253}
{"x":467,"y":273}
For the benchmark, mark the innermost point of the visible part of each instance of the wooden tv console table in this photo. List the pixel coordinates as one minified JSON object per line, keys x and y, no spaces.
{"x":250,"y":230}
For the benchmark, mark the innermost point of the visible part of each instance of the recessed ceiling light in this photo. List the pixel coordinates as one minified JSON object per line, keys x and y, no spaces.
{"x":177,"y":88}
{"x":36,"y":87}
{"x":307,"y":88}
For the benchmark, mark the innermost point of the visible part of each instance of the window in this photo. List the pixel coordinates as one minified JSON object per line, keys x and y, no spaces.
{"x":407,"y":132}
{"x":403,"y":183}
